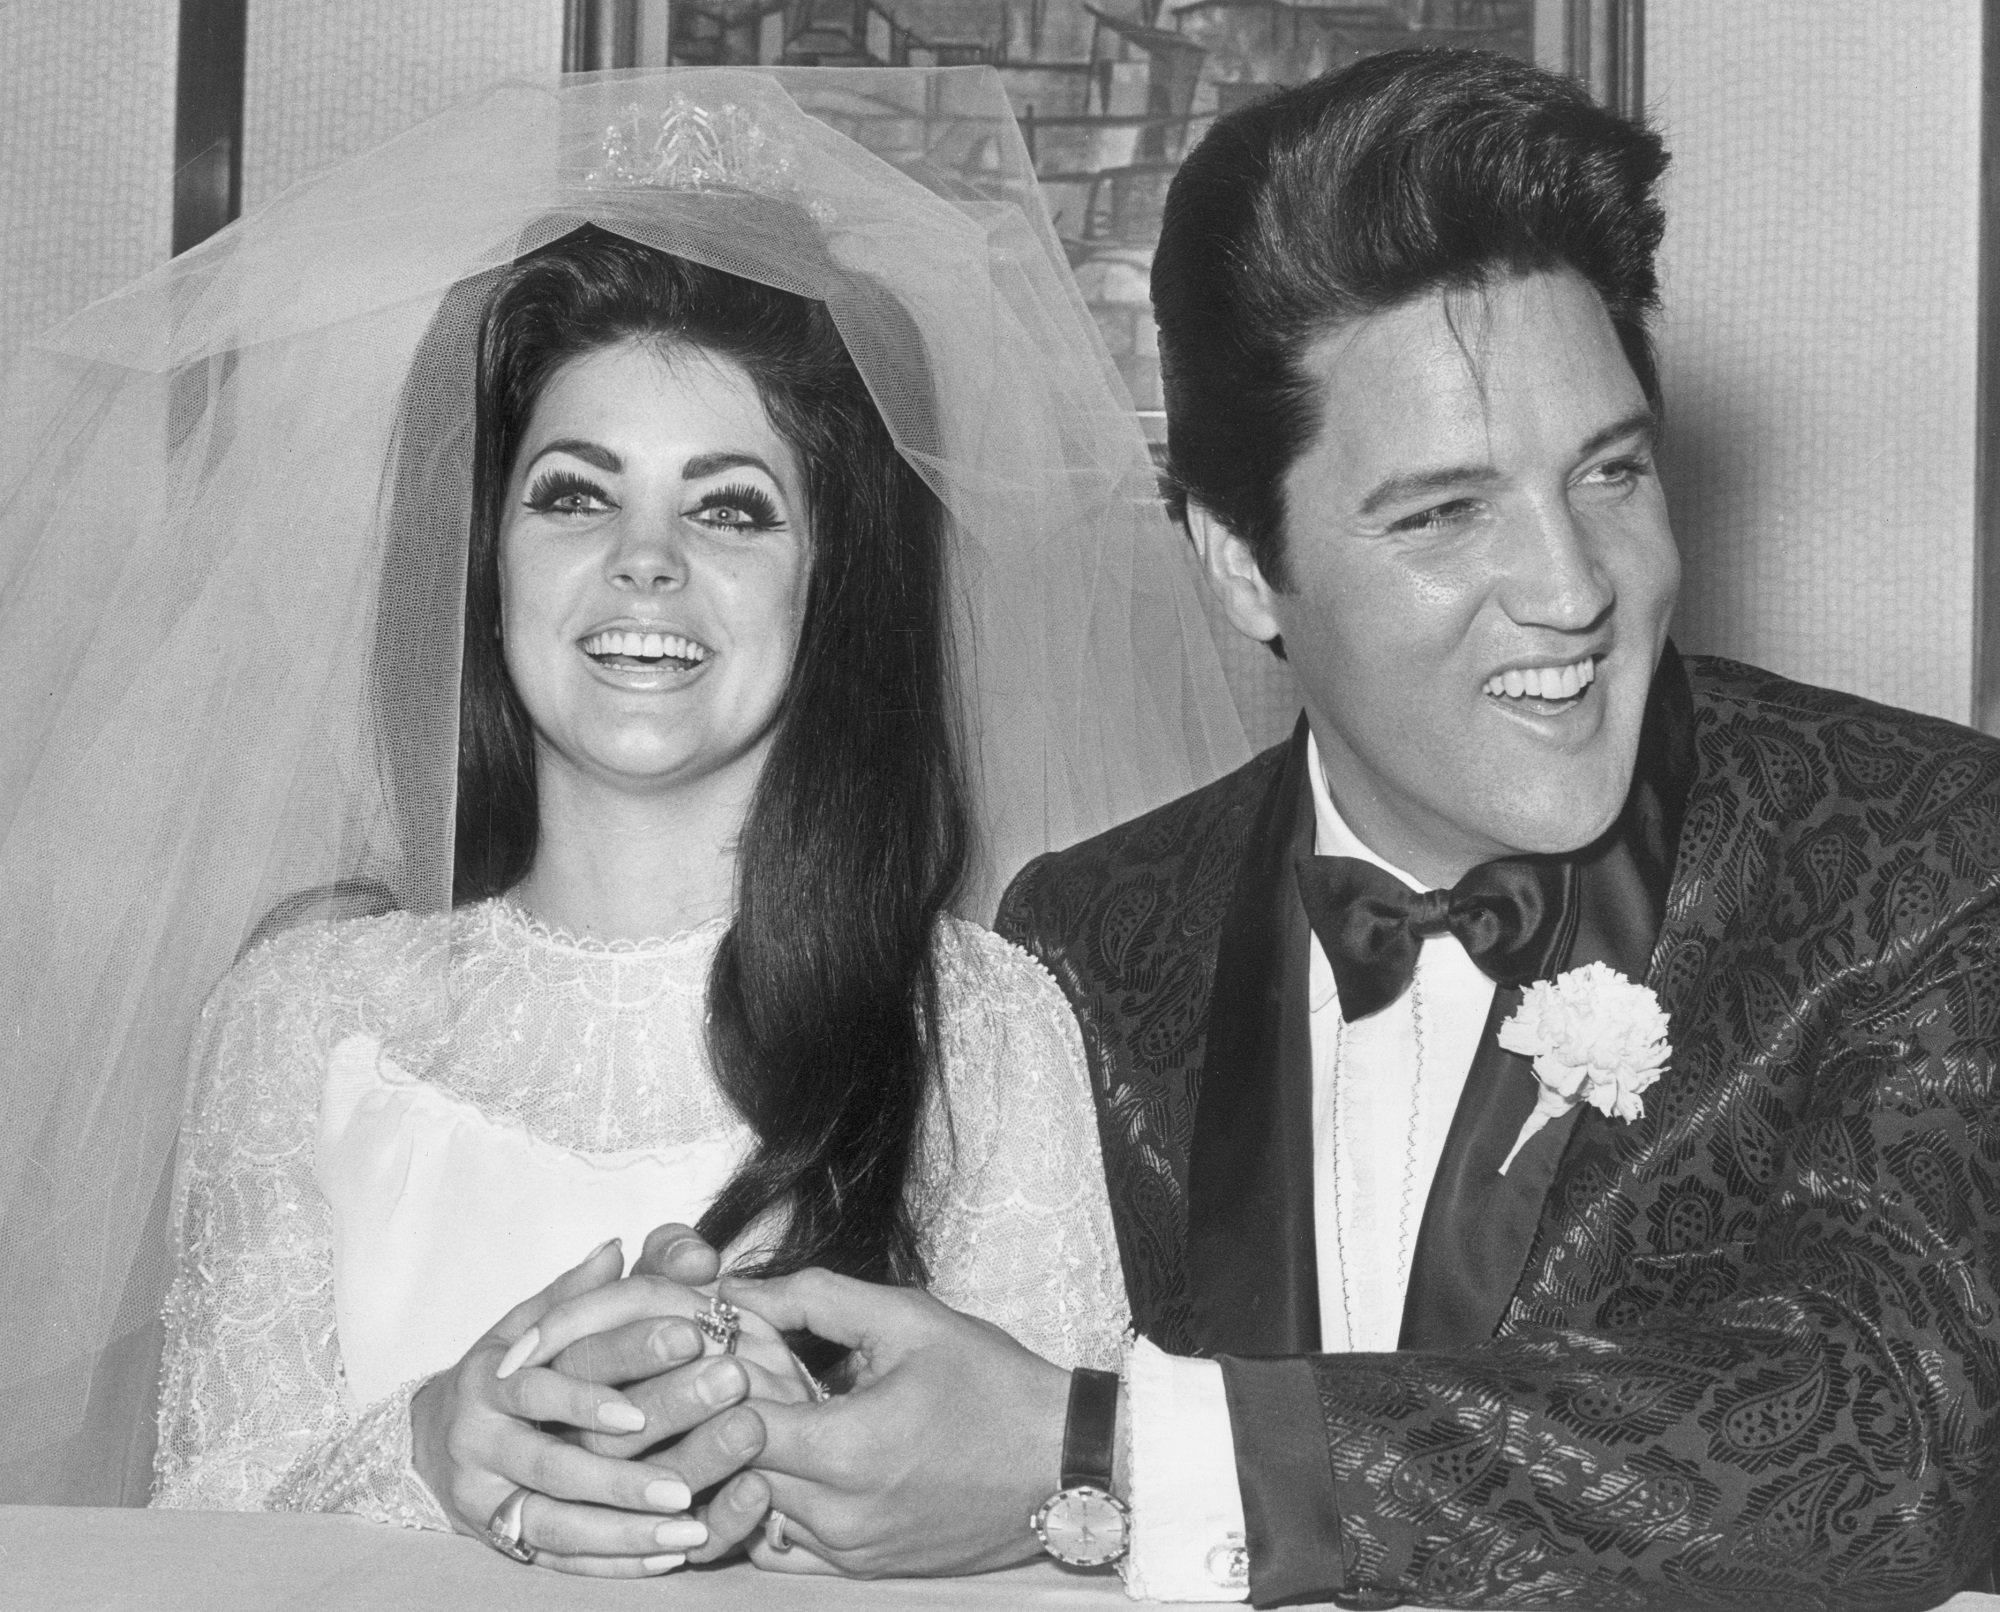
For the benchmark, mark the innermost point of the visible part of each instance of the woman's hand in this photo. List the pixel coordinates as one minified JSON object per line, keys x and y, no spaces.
{"x":475,"y":1439}
{"x":643,"y":1358}
{"x":632,"y":1335}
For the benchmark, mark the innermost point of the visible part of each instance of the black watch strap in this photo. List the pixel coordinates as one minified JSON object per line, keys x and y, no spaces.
{"x":1090,"y":1431}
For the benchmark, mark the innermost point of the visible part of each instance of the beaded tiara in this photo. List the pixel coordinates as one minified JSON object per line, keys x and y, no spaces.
{"x":691,"y":147}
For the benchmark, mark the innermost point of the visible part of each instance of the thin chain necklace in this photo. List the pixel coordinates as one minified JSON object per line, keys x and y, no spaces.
{"x":1333,"y":1176}
{"x":1405,"y":1226}
{"x":1405,"y":1231}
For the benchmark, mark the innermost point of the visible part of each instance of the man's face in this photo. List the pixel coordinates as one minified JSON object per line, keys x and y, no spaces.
{"x":1481,"y":573}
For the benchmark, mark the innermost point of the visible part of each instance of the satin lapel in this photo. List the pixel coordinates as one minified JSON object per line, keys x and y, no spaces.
{"x":1253,"y":1278}
{"x":1479,"y":1225}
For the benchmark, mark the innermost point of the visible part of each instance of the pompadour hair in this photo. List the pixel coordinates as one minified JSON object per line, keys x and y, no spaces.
{"x":1410,"y":172}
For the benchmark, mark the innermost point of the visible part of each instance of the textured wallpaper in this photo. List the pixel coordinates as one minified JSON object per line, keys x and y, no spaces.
{"x":1819,"y":346}
{"x":324,"y":82}
{"x":87,"y":128}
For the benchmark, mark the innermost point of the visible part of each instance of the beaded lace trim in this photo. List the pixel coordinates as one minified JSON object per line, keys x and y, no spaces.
{"x":511,"y":914}
{"x":594,"y":1046}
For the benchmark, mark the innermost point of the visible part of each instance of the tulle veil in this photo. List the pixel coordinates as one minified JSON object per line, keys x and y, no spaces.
{"x":197,"y":476}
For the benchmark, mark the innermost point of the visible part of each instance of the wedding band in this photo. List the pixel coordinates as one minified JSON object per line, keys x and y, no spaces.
{"x":774,"y":1531}
{"x":503,"y":1528}
{"x":720,"y":1324}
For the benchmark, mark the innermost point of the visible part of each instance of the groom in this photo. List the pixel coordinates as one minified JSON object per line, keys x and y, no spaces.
{"x":1421,"y":1316}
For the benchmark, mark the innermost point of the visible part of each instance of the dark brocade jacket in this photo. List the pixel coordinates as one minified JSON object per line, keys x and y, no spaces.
{"x":1743,"y":1351}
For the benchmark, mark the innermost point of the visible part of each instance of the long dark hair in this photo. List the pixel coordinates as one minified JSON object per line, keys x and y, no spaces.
{"x":822,"y":999}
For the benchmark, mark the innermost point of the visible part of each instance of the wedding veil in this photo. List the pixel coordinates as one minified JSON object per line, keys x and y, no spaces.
{"x":198,"y":477}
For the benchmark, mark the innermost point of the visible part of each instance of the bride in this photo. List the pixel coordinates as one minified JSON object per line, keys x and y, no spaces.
{"x":791,"y":464}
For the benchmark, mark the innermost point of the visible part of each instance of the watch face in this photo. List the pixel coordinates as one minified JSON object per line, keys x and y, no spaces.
{"x":1084,"y":1527}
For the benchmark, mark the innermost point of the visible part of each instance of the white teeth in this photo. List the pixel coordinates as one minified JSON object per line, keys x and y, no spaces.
{"x":1544,"y":682}
{"x":646,"y":646}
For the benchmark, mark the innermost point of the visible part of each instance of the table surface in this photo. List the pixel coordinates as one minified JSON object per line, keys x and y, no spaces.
{"x":84,"y":1559}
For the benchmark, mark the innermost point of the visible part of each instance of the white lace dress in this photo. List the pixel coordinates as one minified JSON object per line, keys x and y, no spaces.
{"x":332,"y":1058}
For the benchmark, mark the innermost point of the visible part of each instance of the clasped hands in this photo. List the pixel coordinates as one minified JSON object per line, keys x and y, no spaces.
{"x":645,"y":1447}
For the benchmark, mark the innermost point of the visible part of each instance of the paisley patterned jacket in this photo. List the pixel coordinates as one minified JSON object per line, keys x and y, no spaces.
{"x":1744,"y":1351}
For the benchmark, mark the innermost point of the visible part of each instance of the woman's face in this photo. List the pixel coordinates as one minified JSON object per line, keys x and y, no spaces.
{"x":653,"y":567}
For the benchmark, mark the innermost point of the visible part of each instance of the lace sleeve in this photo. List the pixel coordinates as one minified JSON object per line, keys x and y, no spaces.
{"x":1017,"y":1223}
{"x":251,"y":1407}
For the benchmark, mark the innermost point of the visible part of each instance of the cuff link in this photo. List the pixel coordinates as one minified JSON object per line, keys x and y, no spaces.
{"x":1229,"y":1563}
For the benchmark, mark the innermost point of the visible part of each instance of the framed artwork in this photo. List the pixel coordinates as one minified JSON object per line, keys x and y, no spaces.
{"x":1111,"y":94}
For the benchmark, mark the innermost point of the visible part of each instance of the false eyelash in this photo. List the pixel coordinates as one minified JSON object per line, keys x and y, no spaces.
{"x":553,"y":484}
{"x":753,"y":501}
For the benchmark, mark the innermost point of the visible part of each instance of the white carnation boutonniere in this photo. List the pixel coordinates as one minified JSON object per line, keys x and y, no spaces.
{"x":1596,"y":1037}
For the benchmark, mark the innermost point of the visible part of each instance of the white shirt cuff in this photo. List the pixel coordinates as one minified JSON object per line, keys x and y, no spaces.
{"x":1187,"y":1514}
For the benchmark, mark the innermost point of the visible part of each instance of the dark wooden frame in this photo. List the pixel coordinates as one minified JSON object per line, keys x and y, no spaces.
{"x":1606,"y":48}
{"x":208,"y":118}
{"x":600,"y":34}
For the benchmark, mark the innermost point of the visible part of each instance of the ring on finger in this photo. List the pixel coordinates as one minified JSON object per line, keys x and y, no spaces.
{"x":503,"y":1528}
{"x":720,"y":1324}
{"x":774,"y":1530}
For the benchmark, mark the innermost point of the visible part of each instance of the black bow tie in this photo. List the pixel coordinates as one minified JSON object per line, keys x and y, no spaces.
{"x":1509,"y":916}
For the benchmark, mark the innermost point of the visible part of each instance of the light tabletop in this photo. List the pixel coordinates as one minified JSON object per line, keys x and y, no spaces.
{"x":85,"y":1559}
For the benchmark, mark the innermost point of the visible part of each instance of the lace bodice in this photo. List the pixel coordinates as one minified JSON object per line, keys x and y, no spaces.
{"x":592,"y":1047}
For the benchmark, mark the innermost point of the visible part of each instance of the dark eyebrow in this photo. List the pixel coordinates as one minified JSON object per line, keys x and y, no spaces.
{"x":591,"y":453}
{"x":1419,"y":483}
{"x":710,"y":464}
{"x":702,"y":464}
{"x":1640,"y":422}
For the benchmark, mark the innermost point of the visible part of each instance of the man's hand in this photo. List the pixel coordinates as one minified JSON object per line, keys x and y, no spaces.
{"x":950,"y":1438}
{"x":678,"y":1253}
{"x":657,"y":1361}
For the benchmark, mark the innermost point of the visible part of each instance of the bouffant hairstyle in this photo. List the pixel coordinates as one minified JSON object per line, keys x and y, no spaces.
{"x":822,"y":1000}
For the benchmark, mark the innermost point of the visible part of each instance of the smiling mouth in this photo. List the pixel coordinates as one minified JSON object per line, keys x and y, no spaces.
{"x":1545,"y":690}
{"x":645,"y":651}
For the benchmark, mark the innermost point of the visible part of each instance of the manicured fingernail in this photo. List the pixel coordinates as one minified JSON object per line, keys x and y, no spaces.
{"x":673,"y":1342}
{"x":662,"y":1564}
{"x":668,"y":1494}
{"x":609,"y":1242}
{"x":621,"y":1417}
{"x":721,"y":1383}
{"x":680,"y":1533}
{"x":517,"y":1357}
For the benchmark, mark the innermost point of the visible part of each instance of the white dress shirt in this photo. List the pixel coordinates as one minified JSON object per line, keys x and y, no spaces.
{"x":1384,"y":1092}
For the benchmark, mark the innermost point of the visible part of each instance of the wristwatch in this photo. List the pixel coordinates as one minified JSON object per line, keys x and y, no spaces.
{"x":1084,"y":1524}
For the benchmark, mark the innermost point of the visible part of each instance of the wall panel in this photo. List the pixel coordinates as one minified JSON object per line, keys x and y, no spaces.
{"x":327,"y":82}
{"x":87,"y":125}
{"x":1819,"y":348}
